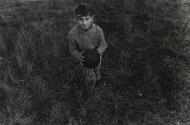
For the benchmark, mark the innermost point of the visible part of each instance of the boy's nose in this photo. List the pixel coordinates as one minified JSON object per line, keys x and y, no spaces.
{"x":84,"y":22}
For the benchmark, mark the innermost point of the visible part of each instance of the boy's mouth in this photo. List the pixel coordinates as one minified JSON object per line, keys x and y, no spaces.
{"x":85,"y":26}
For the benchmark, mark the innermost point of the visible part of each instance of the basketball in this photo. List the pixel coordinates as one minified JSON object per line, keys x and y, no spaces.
{"x":91,"y":59}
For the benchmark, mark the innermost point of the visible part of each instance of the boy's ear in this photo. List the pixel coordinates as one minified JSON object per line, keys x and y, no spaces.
{"x":92,"y":17}
{"x":75,"y":20}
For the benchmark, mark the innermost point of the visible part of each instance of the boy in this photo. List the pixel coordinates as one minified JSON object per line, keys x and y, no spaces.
{"x":86,"y":36}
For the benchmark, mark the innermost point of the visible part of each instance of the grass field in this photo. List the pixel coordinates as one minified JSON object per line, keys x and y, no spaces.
{"x":145,"y":70}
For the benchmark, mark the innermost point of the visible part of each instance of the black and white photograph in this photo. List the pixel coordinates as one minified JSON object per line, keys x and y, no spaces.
{"x":94,"y":62}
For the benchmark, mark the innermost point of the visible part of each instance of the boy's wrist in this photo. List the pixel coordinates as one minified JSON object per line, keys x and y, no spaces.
{"x":99,"y":51}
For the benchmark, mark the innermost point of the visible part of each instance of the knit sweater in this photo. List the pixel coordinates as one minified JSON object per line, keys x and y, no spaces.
{"x":84,"y":39}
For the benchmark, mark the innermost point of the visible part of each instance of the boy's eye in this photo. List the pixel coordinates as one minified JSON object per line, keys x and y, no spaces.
{"x":84,"y":18}
{"x":81,"y":19}
{"x":87,"y":18}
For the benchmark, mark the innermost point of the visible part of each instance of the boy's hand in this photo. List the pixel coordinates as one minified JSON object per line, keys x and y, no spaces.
{"x":99,"y":52}
{"x":81,"y":58}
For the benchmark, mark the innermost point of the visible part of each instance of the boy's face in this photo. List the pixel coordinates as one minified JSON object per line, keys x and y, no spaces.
{"x":85,"y":21}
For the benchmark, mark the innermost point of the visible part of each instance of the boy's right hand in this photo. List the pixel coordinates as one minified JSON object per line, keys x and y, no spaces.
{"x":81,"y":58}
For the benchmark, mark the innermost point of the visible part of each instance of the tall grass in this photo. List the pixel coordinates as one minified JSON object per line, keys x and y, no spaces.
{"x":144,"y":73}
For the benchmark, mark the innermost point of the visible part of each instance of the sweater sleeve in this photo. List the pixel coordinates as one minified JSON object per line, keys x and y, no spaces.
{"x":73,"y":46}
{"x":102,"y":42}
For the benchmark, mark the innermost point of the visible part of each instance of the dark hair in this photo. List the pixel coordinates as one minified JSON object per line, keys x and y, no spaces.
{"x":83,"y":10}
{"x":91,"y":59}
